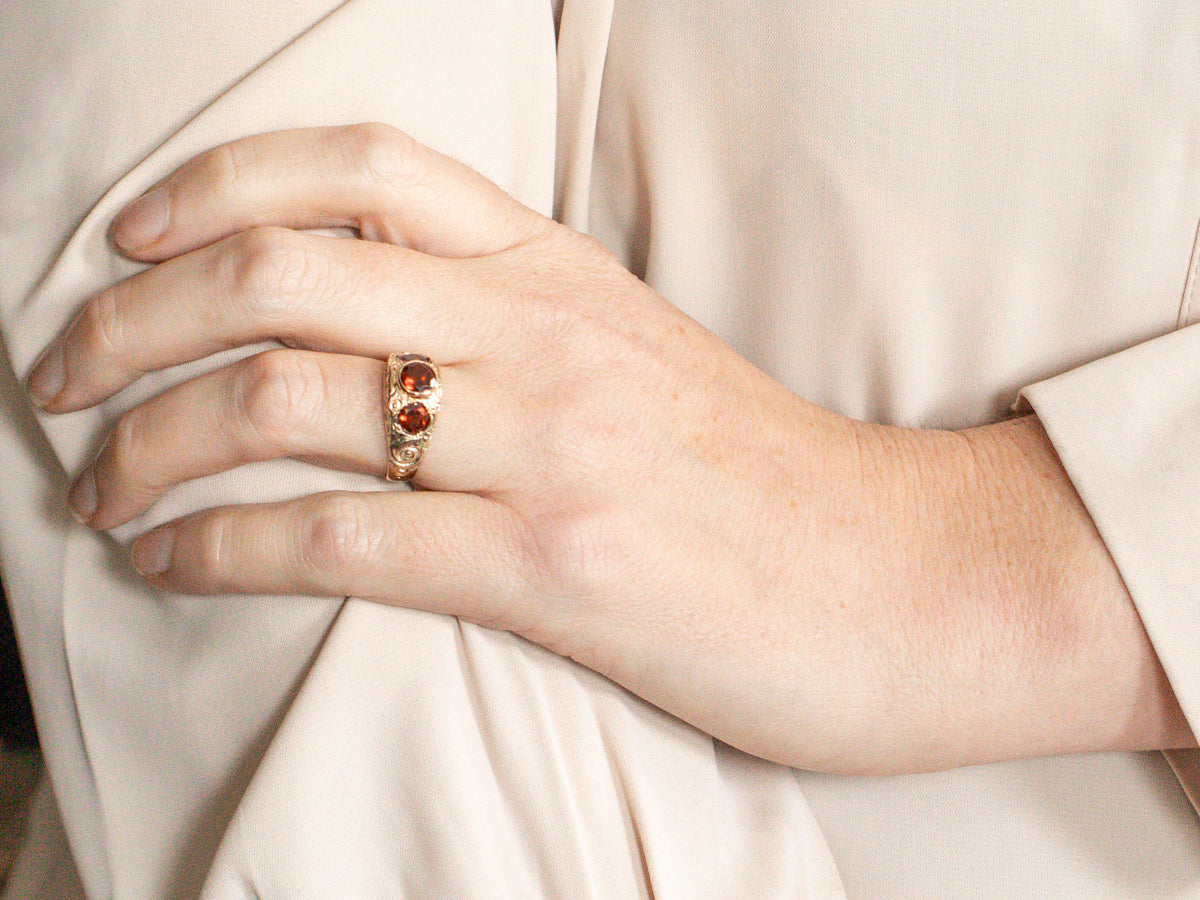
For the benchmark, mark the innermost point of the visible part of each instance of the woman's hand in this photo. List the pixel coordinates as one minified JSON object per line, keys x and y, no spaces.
{"x":606,"y":477}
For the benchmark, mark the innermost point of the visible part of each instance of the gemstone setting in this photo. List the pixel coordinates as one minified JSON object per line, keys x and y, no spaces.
{"x":414,"y":418}
{"x":418,"y":378}
{"x":412,"y":397}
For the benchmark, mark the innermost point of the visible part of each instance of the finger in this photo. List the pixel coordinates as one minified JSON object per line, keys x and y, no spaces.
{"x":307,"y":291}
{"x":448,"y":553}
{"x":371,"y":177}
{"x":323,"y":408}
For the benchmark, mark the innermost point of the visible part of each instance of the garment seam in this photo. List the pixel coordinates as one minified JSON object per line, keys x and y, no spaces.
{"x":1189,"y":284}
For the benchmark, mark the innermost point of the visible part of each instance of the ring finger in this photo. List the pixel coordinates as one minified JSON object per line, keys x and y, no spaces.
{"x":323,"y":408}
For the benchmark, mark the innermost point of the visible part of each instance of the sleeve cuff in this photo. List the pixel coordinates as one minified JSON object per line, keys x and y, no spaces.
{"x":1127,"y":429}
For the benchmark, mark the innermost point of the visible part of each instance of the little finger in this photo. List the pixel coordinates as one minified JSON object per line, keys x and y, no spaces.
{"x":459,"y":554}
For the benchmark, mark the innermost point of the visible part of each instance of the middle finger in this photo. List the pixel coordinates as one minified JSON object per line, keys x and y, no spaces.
{"x":321,"y":293}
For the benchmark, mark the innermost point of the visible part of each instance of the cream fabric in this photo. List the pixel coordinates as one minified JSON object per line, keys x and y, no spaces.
{"x":906,"y":210}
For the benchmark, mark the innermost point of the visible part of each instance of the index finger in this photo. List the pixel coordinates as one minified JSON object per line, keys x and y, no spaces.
{"x":371,"y":177}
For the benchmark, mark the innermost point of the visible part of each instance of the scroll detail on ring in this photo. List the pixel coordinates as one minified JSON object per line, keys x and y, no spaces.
{"x":412,"y":398}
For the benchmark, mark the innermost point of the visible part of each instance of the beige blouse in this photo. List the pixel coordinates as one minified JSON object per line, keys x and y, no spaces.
{"x":906,"y":210}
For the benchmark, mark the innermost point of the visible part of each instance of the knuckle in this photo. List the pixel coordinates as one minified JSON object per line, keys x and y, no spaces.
{"x":576,"y":554}
{"x":226,"y":167}
{"x":341,"y":536}
{"x":575,"y":308}
{"x":519,"y":569}
{"x":578,"y":259}
{"x":281,"y":392}
{"x":104,"y":323}
{"x":552,"y":322}
{"x":378,"y":153}
{"x":268,"y":268}
{"x":581,"y":428}
{"x":216,"y":548}
{"x":572,"y":432}
{"x":578,"y":451}
{"x":121,"y":449}
{"x":584,"y":250}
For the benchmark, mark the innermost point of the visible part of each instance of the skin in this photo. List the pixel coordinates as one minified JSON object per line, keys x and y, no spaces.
{"x":818,"y":591}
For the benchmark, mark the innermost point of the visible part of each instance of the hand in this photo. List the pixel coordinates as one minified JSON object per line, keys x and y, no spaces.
{"x":606,"y":477}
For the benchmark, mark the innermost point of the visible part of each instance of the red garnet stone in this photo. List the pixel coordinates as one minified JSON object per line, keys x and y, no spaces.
{"x":413,"y":419}
{"x":417,"y":378}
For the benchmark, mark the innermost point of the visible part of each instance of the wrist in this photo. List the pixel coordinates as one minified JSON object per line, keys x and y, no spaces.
{"x":1081,"y":673}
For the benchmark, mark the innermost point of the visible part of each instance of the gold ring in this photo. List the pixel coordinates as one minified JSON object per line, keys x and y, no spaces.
{"x":412,"y":397}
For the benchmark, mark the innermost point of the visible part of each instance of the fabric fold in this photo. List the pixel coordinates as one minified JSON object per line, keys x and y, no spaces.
{"x":1132,"y":462}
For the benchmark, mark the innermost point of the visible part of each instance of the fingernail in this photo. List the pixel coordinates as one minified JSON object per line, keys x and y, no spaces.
{"x":82,"y":498}
{"x":152,"y":552}
{"x":48,"y":377}
{"x":143,"y":221}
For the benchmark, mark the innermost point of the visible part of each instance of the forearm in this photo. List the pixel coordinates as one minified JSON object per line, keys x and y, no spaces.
{"x":949,"y":602}
{"x":1042,"y":649}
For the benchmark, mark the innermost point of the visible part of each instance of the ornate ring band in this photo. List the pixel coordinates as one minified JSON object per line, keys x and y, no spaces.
{"x":412,"y":397}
